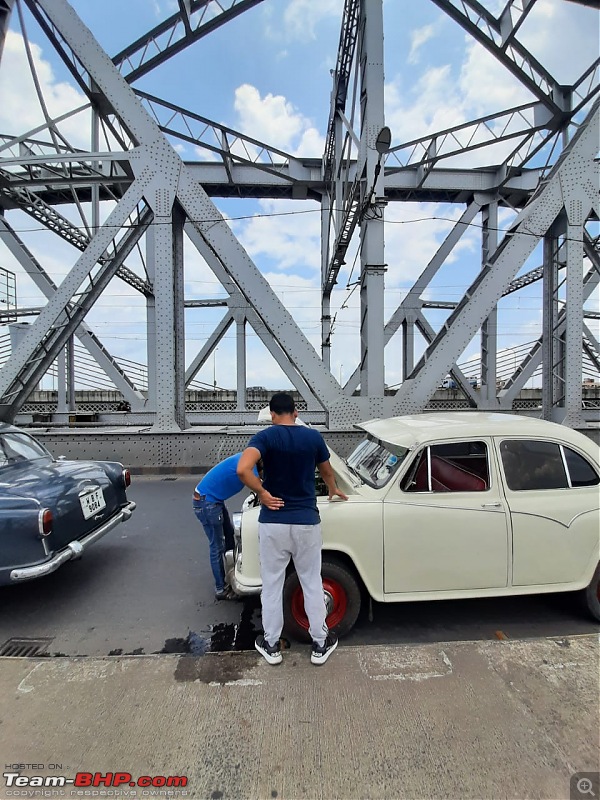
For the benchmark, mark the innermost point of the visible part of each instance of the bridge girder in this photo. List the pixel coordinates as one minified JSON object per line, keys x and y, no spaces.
{"x":145,"y":177}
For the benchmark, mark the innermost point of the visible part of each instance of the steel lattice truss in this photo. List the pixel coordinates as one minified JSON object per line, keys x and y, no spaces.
{"x":549,"y":178}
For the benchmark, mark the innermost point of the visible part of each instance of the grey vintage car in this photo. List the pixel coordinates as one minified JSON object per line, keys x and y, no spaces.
{"x":52,"y":510}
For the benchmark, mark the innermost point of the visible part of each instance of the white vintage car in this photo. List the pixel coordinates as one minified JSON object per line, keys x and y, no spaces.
{"x":449,"y":505}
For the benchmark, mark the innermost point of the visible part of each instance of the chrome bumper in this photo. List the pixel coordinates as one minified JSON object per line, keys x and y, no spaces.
{"x":73,"y":549}
{"x":240,"y":588}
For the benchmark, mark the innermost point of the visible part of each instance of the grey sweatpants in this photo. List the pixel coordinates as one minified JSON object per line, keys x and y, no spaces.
{"x":277,"y":544}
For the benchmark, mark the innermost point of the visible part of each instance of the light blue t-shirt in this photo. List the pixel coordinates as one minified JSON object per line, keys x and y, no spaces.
{"x":221,"y":482}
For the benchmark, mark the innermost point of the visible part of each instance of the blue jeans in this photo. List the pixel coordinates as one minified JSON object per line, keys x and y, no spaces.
{"x":216,"y":522}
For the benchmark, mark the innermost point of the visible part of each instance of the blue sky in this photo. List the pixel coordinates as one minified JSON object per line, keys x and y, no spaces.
{"x":267,"y":74}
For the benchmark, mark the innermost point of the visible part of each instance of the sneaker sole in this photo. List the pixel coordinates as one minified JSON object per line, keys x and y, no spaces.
{"x":273,"y":660}
{"x":318,"y":660}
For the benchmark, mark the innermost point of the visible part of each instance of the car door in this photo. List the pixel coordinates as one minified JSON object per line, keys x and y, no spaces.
{"x":552,"y":496}
{"x":445,"y":522}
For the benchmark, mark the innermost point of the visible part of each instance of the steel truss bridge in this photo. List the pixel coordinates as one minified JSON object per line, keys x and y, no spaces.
{"x":549,"y":180}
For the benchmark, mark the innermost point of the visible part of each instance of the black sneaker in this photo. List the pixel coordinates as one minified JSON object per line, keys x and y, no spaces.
{"x":320,"y":654}
{"x":224,"y":594}
{"x":270,"y":652}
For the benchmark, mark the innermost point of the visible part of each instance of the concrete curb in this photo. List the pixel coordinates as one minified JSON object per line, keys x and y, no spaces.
{"x":484,"y":719}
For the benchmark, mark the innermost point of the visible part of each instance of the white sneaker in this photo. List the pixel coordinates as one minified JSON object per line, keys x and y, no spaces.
{"x":271,"y":653}
{"x":320,"y":654}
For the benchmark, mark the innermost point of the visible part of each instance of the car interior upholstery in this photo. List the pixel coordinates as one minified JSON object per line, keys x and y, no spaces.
{"x":447,"y":477}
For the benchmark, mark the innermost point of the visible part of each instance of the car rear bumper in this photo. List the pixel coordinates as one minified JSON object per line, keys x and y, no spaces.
{"x":73,"y":550}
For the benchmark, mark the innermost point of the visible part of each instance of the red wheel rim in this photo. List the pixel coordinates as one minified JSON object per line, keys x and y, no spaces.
{"x":337,"y":602}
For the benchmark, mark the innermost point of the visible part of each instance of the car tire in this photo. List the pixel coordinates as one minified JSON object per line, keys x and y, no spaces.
{"x":343,"y":598}
{"x":590,"y":596}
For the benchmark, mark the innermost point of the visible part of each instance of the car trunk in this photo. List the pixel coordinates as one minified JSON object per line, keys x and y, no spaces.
{"x":64,"y":484}
{"x":69,"y":515}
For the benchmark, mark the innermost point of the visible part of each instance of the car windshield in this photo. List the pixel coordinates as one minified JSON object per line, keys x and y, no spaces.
{"x":375,"y":462}
{"x":18,"y":447}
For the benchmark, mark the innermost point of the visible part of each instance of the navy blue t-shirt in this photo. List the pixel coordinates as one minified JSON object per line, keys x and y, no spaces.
{"x":290,"y":454}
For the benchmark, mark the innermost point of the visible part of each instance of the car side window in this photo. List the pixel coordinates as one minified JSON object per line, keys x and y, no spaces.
{"x":449,"y":467}
{"x":581,"y":471}
{"x":537,"y":465}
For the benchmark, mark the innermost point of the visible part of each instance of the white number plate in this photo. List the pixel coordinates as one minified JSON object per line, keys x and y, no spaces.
{"x":92,"y":503}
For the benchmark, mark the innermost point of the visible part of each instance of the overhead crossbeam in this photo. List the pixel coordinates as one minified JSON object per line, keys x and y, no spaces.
{"x":518,"y":122}
{"x":42,"y":212}
{"x":495,"y":35}
{"x":232,"y":145}
{"x":195,"y":19}
{"x":513,"y":15}
{"x":195,"y":203}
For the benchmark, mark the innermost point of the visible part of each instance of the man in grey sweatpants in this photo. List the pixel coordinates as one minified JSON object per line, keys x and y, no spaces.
{"x":289,"y":525}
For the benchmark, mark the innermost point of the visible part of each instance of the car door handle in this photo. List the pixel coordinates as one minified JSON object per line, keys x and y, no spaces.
{"x":491,"y":505}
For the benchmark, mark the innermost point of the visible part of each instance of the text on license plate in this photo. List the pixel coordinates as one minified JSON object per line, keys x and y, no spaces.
{"x":92,"y":503}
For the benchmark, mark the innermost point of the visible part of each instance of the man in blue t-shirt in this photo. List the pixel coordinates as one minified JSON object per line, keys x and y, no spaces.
{"x":289,"y":524}
{"x":217,"y":486}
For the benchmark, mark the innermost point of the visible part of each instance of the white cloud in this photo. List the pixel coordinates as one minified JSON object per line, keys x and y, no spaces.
{"x":301,"y":17}
{"x":20,"y":111}
{"x":274,"y":120}
{"x":578,"y":28}
{"x":486,"y":85}
{"x":418,"y":38}
{"x":433,"y":104}
{"x":287,"y":233}
{"x":451,"y":94}
{"x":311,"y":144}
{"x":414,"y":233}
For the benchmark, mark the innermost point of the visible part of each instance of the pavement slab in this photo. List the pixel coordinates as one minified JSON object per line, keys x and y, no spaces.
{"x":485,"y":719}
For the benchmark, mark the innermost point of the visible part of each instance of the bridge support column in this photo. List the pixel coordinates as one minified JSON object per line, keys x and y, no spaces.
{"x":372,"y":365}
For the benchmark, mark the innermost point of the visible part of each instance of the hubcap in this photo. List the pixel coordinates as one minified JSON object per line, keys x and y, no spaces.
{"x":336,"y":603}
{"x":329,"y":601}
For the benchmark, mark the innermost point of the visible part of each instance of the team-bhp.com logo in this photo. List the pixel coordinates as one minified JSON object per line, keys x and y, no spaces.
{"x":89,"y":780}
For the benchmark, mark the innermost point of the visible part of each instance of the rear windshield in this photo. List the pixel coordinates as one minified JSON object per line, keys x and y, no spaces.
{"x":18,"y":447}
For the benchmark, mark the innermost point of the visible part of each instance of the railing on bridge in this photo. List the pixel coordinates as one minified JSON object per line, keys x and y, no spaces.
{"x":95,"y":393}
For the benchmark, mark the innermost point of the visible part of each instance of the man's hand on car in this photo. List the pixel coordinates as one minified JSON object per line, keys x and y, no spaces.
{"x":337,"y":493}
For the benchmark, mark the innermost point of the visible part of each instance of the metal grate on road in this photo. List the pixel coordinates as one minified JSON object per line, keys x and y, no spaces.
{"x":17,"y":647}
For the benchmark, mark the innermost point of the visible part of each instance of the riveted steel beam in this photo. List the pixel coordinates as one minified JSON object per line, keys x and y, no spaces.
{"x":574,"y":179}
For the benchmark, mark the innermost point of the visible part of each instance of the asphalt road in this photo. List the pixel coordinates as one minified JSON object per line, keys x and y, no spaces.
{"x":147,"y":588}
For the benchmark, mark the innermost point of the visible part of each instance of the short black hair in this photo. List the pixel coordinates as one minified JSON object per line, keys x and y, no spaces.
{"x":282,"y":403}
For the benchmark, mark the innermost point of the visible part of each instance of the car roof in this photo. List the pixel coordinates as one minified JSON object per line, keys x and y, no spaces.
{"x":6,"y":427}
{"x":411,"y":429}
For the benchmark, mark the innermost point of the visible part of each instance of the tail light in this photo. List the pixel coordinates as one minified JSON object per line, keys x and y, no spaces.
{"x":45,"y":521}
{"x":126,"y":478}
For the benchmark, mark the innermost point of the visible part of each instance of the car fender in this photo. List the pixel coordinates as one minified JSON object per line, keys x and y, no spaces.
{"x":344,"y":524}
{"x":590,"y":569}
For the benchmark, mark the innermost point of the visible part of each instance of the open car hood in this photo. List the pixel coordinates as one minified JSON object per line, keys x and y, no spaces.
{"x":346,"y":480}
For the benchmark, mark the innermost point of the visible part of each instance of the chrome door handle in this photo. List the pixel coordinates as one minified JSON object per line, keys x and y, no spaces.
{"x":491,"y":505}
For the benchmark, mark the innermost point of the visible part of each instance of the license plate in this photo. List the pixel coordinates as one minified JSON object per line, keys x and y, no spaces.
{"x":92,"y":503}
